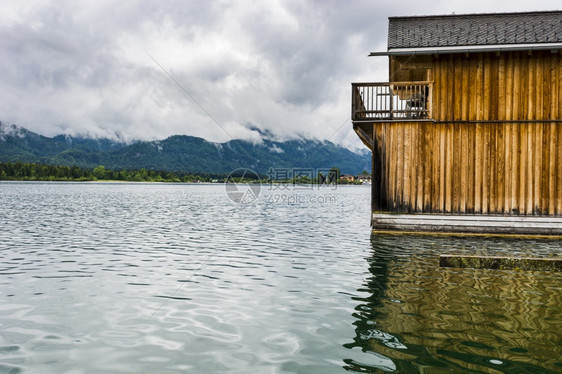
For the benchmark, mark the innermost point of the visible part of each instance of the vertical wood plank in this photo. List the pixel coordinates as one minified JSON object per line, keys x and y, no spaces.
{"x":545,"y":86}
{"x":558,"y":136}
{"x":485,"y":165}
{"x":420,"y":166}
{"x":508,"y":149}
{"x":516,"y":167}
{"x":529,"y":94}
{"x":502,"y":87}
{"x":478,"y":169}
{"x":414,"y":156}
{"x":473,"y":89}
{"x":556,"y":68}
{"x":454,"y":150}
{"x":436,"y":167}
{"x":466,"y":93}
{"x":448,"y":167}
{"x":530,"y":170}
{"x":450,"y":87}
{"x":471,"y":167}
{"x":544,"y":167}
{"x":464,"y":164}
{"x":399,"y":196}
{"x":494,"y":87}
{"x":551,"y":169}
{"x":479,"y":114}
{"x":501,"y":205}
{"x":487,"y":87}
{"x":558,"y":170}
{"x":443,"y":77}
{"x":538,"y":166}
{"x":539,"y":64}
{"x":499,"y":168}
{"x":509,"y":171}
{"x":521,"y":164}
{"x":537,"y":130}
{"x":405,"y":168}
{"x":413,"y":193}
{"x":442,"y":144}
{"x":427,"y":150}
{"x":516,"y":103}
{"x":558,"y":141}
{"x":458,"y":90}
{"x":555,"y":98}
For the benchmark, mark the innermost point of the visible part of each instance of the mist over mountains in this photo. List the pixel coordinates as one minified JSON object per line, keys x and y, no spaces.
{"x":177,"y":153}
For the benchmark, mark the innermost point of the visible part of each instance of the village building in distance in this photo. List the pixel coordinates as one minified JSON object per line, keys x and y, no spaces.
{"x":466,"y":136}
{"x":355,"y":179}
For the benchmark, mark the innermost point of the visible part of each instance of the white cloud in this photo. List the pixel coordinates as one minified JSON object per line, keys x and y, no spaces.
{"x":283,"y":66}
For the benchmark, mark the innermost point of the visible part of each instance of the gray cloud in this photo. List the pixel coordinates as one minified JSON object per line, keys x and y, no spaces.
{"x":282,"y":66}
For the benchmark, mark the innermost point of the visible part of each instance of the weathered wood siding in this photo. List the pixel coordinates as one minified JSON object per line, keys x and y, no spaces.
{"x":503,"y":86}
{"x":509,"y":168}
{"x":495,"y":146}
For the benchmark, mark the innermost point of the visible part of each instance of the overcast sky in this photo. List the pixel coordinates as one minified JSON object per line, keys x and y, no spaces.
{"x":85,"y":67}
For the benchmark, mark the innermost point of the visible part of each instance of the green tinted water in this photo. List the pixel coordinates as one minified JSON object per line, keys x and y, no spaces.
{"x":414,"y":316}
{"x":172,"y":278}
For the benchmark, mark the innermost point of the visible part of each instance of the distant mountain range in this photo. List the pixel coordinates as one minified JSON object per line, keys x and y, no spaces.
{"x":177,"y":153}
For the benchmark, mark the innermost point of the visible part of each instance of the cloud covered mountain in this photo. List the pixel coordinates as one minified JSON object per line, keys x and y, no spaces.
{"x":177,"y":153}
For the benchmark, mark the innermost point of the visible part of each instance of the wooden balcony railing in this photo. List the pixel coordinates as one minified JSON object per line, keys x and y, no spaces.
{"x":391,"y":101}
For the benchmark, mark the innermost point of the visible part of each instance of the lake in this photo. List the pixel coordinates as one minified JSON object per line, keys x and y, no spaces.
{"x":175,"y":278}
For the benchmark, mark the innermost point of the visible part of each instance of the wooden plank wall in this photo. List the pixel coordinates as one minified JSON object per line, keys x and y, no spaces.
{"x":451,"y":166}
{"x":509,"y":168}
{"x":503,"y":86}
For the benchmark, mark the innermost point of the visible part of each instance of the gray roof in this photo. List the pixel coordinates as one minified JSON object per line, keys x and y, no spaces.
{"x":475,"y":30}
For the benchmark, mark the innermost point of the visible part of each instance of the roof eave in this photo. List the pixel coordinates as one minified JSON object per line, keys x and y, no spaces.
{"x":468,"y":49}
{"x":502,"y":14}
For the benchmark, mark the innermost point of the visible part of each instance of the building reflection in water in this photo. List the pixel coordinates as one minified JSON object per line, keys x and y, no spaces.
{"x":413,"y":316}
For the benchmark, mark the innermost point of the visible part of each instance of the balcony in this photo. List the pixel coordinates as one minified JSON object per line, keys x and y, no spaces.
{"x":391,"y":101}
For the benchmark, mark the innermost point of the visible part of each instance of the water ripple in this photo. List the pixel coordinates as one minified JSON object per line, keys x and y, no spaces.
{"x":123,"y":277}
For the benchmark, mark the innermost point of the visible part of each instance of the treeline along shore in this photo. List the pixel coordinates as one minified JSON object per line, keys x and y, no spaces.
{"x":25,"y":171}
{"x":20,"y":171}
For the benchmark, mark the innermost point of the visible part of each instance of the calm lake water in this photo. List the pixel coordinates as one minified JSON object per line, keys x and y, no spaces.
{"x":174,"y":278}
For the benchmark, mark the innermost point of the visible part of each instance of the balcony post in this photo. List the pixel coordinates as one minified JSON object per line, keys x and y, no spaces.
{"x":391,"y":101}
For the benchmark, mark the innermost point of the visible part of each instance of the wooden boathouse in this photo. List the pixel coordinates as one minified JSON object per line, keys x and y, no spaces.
{"x":466,"y":136}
